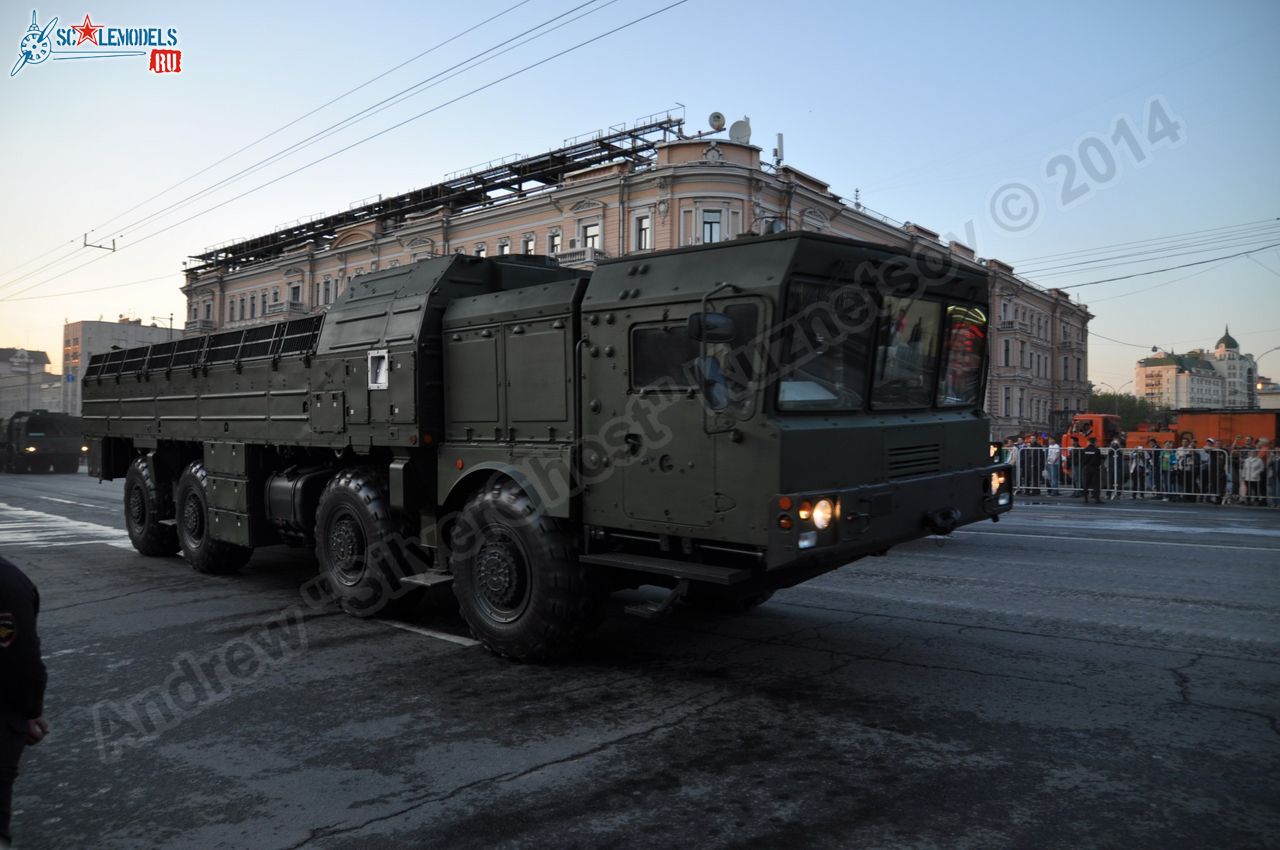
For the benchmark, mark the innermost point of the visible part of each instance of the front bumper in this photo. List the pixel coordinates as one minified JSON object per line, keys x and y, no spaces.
{"x":872,"y":518}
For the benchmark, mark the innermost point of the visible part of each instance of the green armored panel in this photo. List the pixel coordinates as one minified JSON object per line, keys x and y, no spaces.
{"x":538,"y":374}
{"x":472,"y":384}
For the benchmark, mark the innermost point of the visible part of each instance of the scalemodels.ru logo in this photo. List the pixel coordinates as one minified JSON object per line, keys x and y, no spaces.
{"x":90,"y":40}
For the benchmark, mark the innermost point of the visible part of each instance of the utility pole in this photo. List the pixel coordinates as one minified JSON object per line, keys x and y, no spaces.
{"x":153,"y":318}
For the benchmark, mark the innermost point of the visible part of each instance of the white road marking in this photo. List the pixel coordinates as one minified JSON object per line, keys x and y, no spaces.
{"x":25,"y":527}
{"x":77,"y":504}
{"x":432,"y":633}
{"x":1135,"y":541}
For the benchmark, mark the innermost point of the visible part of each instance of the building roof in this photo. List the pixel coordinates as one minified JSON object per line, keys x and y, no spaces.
{"x":1228,"y":341}
{"x":1185,"y":362}
{"x":39,"y":358}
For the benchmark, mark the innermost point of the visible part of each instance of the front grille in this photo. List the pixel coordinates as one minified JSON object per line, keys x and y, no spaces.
{"x":905,"y":461}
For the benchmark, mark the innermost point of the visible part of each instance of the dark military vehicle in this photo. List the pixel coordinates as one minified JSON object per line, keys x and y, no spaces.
{"x":37,"y":441}
{"x":722,"y":421}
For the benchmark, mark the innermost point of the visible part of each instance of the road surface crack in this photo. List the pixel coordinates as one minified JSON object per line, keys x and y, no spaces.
{"x":511,"y":776}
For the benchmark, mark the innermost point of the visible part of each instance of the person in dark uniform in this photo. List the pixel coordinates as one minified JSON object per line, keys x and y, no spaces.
{"x":22,"y":681}
{"x":1091,"y":459}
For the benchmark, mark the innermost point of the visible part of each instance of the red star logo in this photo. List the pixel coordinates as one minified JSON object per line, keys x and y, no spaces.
{"x":88,"y":31}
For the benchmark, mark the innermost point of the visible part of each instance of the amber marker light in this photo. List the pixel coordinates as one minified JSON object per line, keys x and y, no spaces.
{"x":457,"y":464}
{"x":806,"y":510}
{"x":784,"y":522}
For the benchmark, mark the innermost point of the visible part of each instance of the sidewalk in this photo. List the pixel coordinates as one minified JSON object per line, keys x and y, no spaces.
{"x":1150,"y":502}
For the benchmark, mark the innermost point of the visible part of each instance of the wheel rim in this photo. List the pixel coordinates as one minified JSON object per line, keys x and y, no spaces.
{"x":346,"y":548}
{"x":503,"y":580}
{"x":137,"y":508}
{"x":193,"y":520}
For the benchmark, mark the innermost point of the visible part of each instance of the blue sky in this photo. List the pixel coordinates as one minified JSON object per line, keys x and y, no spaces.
{"x":931,"y":110}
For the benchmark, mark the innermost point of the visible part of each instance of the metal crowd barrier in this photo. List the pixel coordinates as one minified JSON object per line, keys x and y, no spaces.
{"x":1219,"y":476}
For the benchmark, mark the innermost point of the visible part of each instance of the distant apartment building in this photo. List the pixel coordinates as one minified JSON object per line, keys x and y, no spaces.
{"x":1221,"y":378}
{"x":26,"y":384}
{"x":617,"y":193}
{"x":81,"y":339}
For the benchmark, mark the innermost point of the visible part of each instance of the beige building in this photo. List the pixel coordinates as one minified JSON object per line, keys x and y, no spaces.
{"x":646,"y":188}
{"x":80,"y":339}
{"x":25,"y":383}
{"x":1222,"y":378}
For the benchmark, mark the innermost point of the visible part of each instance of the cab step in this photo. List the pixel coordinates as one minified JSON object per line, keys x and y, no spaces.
{"x":431,"y":578}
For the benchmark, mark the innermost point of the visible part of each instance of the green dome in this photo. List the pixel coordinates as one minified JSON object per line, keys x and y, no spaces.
{"x":1228,"y":341}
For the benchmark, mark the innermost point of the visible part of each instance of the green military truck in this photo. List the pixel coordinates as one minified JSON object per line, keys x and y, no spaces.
{"x":721,"y":421}
{"x":37,"y":441}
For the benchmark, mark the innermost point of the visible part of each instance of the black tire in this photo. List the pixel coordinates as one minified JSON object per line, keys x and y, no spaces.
{"x":361,"y":551}
{"x":517,"y":578}
{"x":191,"y":509}
{"x":144,"y":508}
{"x":700,"y":600}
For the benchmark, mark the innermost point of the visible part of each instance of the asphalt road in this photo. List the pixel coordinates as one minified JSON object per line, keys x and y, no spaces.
{"x":1103,"y":676}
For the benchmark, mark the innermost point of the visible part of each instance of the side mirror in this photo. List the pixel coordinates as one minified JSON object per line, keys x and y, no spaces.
{"x":712,"y":327}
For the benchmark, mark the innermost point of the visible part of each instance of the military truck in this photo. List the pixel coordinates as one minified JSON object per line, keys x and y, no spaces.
{"x":720,"y":421}
{"x":37,"y":441}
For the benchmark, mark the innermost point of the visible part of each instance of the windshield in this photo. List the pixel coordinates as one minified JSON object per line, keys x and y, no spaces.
{"x":825,"y":347}
{"x":44,"y":426}
{"x":914,"y":353}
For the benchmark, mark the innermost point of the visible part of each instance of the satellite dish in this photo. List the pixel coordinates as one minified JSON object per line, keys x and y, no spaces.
{"x":740,"y":132}
{"x":716,"y":120}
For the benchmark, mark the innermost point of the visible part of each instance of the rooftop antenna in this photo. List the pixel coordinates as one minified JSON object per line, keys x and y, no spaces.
{"x":777,"y":153}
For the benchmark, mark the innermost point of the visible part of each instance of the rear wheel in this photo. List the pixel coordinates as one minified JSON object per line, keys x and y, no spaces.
{"x":191,"y":505}
{"x":361,"y":550}
{"x":517,"y":578}
{"x":144,"y":509}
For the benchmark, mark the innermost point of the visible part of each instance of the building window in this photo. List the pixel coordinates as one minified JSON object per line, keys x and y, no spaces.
{"x":295,"y":293}
{"x":1066,"y":368}
{"x":480,"y":250}
{"x":1004,"y":310}
{"x":1008,"y":354}
{"x":553,"y":242}
{"x":527,"y":243}
{"x":1022,"y":406}
{"x":1022,"y":355}
{"x":242,"y":307}
{"x":1008,"y":404}
{"x":275,"y":295}
{"x":208,"y":310}
{"x":231,"y":309}
{"x":710,"y":226}
{"x":591,"y":235}
{"x":644,"y":233}
{"x":1079,"y":369}
{"x":504,"y":248}
{"x":264,"y":302}
{"x":326,"y":291}
{"x":253,"y":307}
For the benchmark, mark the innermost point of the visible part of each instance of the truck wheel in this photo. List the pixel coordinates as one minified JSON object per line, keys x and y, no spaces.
{"x":360,"y":549}
{"x":517,"y":579}
{"x":143,"y":511}
{"x":191,"y":505}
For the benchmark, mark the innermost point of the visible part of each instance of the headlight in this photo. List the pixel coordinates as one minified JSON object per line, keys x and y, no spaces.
{"x":823,"y":511}
{"x":30,"y":450}
{"x":84,"y":448}
{"x":997,"y":481}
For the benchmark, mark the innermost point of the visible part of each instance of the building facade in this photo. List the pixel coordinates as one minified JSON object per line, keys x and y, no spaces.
{"x":81,"y":339}
{"x":647,"y":188}
{"x":26,"y":383}
{"x":1221,"y":378}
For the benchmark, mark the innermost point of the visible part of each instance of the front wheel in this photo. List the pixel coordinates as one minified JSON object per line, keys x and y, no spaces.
{"x":143,"y":511}
{"x":517,"y":578}
{"x":203,"y":553}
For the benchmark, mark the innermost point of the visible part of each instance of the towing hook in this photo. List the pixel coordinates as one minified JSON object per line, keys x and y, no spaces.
{"x":942,"y":521}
